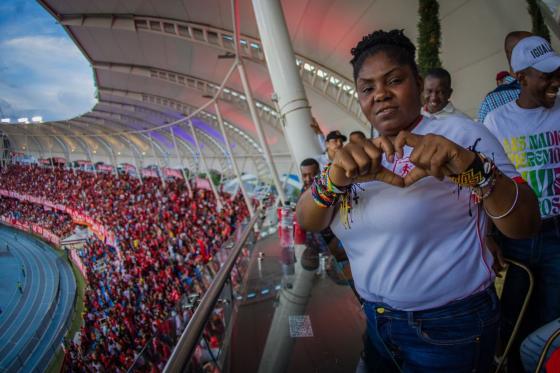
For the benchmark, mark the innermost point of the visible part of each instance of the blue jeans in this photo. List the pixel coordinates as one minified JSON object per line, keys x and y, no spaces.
{"x":458,"y":337}
{"x":542,"y":255}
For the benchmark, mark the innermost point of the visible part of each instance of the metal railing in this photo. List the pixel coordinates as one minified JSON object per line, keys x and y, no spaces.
{"x":191,"y":335}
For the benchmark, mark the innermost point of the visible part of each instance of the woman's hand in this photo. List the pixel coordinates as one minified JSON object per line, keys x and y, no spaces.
{"x":360,"y":162}
{"x":433,"y":155}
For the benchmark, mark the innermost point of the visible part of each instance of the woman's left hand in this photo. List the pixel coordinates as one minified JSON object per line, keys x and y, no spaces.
{"x":433,"y":155}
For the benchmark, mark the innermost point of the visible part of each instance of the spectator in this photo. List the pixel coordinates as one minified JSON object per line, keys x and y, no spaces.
{"x":501,"y":78}
{"x":309,"y":168}
{"x":528,"y":129}
{"x":320,"y":136}
{"x":533,"y":346}
{"x":437,"y":92}
{"x":510,"y":89}
{"x":411,"y":248}
{"x":334,"y":141}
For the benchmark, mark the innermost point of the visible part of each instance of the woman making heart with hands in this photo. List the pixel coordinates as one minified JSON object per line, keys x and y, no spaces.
{"x":402,"y":206}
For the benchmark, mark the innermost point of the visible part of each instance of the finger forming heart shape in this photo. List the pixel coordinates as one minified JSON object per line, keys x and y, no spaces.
{"x":361,"y":162}
{"x":432,"y":155}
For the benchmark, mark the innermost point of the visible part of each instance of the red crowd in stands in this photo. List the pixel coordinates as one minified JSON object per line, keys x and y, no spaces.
{"x":58,"y":223}
{"x":166,"y":239}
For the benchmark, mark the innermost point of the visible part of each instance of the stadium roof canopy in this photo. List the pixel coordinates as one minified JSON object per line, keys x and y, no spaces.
{"x":155,"y":61}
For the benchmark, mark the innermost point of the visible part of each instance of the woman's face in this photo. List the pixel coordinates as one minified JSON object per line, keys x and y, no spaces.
{"x":389,"y":94}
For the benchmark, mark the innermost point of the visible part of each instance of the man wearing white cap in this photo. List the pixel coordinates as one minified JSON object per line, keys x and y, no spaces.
{"x":529,"y":130}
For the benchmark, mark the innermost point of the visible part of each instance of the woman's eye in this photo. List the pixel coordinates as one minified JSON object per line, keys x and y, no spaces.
{"x":395,"y":81}
{"x":366,"y":89}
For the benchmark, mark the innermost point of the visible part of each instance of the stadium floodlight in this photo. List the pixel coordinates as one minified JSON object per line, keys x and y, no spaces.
{"x":5,"y":120}
{"x":23,"y":120}
{"x":37,"y":119}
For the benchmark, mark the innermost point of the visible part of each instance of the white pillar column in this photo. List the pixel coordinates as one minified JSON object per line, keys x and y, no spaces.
{"x":205,"y":166}
{"x":233,"y":161}
{"x":285,"y":78}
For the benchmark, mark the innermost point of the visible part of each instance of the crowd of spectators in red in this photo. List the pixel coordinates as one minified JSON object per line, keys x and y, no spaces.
{"x":166,"y":242}
{"x":58,"y":223}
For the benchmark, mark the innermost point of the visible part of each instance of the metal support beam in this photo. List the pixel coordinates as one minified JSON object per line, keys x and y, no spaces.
{"x":260,"y":132}
{"x":206,"y":170}
{"x":233,"y":161}
{"x":160,"y":171}
{"x":180,"y":160}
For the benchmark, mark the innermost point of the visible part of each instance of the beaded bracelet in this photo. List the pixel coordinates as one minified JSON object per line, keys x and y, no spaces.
{"x":324,"y":192}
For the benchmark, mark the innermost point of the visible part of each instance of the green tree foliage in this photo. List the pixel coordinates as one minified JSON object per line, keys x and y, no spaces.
{"x":539,"y":27}
{"x":429,"y":35}
{"x":215,"y":176}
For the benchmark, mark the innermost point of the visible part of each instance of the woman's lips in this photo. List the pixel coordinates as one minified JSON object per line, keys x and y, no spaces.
{"x":386,"y":112}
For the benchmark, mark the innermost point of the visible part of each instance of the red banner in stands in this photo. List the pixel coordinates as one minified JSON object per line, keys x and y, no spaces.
{"x":171,"y":172}
{"x":75,"y":258}
{"x":77,"y":216}
{"x":33,"y":228}
{"x":148,"y":172}
{"x":202,"y":183}
{"x":127,"y":167}
{"x":104,"y":167}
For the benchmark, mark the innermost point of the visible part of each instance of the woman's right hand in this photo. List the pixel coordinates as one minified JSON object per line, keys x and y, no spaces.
{"x":362,"y":162}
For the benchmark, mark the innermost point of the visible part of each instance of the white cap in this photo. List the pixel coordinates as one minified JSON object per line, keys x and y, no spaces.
{"x":534,"y":52}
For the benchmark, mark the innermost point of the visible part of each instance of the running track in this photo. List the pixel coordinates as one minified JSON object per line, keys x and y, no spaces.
{"x":32,"y":324}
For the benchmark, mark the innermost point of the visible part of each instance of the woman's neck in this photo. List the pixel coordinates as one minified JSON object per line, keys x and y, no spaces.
{"x":409,"y":128}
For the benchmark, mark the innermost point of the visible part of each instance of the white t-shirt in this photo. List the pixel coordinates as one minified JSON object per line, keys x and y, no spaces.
{"x":447,"y":111}
{"x":417,"y":248}
{"x":531,"y":139}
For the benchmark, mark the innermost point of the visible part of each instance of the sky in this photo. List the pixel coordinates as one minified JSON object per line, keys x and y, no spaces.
{"x":42,"y":72}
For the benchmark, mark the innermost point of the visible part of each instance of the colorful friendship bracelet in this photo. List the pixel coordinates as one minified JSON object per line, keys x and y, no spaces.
{"x":325,"y":194}
{"x":479,"y":174}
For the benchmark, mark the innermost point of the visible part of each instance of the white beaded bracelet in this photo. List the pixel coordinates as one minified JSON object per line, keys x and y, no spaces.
{"x":510,"y":209}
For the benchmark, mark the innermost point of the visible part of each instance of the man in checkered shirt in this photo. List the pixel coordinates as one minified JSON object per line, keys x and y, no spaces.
{"x":510,"y":89}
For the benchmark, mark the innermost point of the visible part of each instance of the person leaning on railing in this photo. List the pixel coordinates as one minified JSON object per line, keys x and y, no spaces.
{"x":401,"y":204}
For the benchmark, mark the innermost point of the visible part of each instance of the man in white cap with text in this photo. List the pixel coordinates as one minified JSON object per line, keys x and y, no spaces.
{"x":529,"y":130}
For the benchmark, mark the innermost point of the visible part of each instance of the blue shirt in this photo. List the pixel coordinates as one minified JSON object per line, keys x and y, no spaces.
{"x":500,"y":96}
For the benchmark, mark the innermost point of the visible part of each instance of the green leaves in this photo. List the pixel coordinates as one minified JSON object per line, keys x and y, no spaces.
{"x":429,"y":35}
{"x":539,"y":27}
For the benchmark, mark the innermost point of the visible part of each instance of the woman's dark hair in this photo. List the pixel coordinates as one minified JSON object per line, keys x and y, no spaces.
{"x":393,"y":43}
